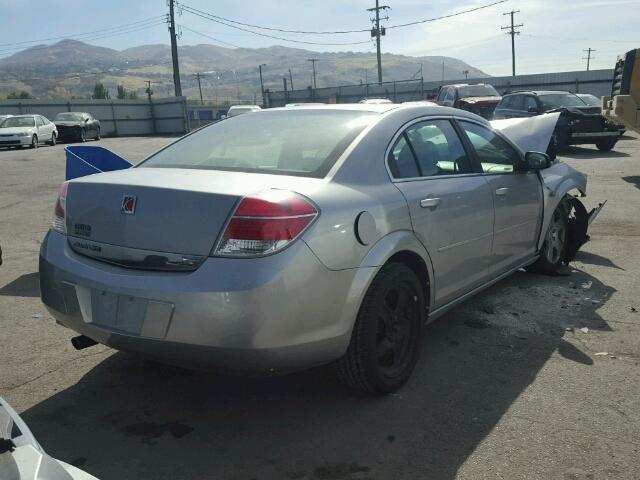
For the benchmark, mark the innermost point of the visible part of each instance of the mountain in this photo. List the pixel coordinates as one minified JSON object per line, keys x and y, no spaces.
{"x":70,"y":67}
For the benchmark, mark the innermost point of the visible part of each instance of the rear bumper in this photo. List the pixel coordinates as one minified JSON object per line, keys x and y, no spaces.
{"x":282,"y":312}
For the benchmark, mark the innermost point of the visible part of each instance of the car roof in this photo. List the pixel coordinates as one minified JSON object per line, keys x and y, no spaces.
{"x":27,"y":115}
{"x":540,"y":92}
{"x":363,"y":107}
{"x":81,"y":113}
{"x":458,"y":85}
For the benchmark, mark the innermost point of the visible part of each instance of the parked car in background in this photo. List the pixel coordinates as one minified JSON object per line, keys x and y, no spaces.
{"x":283,"y":255}
{"x":578,"y":124}
{"x":27,"y":130}
{"x":479,"y":98}
{"x":236,"y":110}
{"x":77,"y":126}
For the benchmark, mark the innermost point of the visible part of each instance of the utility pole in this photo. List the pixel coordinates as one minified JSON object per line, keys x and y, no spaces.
{"x":148,"y":91}
{"x":262,"y":83}
{"x":174,"y":50}
{"x":378,"y":32}
{"x":199,"y":76}
{"x":290,"y":79}
{"x":589,"y":57}
{"x":512,"y":31}
{"x":313,"y":64}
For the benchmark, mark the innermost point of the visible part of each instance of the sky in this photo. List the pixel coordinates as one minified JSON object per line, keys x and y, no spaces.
{"x":553,"y":37}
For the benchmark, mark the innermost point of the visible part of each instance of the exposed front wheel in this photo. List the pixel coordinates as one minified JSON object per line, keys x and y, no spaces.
{"x":606,"y":144}
{"x":554,"y":249}
{"x":34,"y":142}
{"x":385,"y":341}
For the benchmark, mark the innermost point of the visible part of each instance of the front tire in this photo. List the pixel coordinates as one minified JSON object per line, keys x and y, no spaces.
{"x":83,"y":135}
{"x":34,"y":142}
{"x":554,"y":249}
{"x":385,"y":342}
{"x":606,"y":144}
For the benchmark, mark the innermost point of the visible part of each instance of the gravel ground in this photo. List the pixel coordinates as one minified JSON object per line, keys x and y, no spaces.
{"x":536,"y":378}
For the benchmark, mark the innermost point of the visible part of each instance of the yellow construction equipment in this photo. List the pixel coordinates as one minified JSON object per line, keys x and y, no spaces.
{"x":623,"y":107}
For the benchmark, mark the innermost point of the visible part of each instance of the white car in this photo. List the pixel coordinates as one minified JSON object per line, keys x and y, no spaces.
{"x":4,"y":117}
{"x":375,"y":101}
{"x":30,"y":130}
{"x":240,"y":109}
{"x":22,"y":457}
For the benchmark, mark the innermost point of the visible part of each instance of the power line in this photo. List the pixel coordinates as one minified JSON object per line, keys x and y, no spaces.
{"x":207,"y":16}
{"x":589,"y":57}
{"x":451,"y":15}
{"x":512,"y":31}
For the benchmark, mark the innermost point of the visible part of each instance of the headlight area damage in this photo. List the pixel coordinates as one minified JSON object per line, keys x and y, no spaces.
{"x":560,"y":180}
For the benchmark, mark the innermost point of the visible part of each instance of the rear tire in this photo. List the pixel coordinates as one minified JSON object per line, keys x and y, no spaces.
{"x":53,"y":140}
{"x":83,"y":135}
{"x":607,"y":144}
{"x":34,"y":142}
{"x":385,"y":342}
{"x":554,"y":249}
{"x":97,"y":135}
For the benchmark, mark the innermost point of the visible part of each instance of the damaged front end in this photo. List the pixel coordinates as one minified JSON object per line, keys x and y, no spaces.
{"x":578,"y":225}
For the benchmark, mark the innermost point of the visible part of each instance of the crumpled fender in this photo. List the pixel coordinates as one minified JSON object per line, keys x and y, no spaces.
{"x":558,"y":181}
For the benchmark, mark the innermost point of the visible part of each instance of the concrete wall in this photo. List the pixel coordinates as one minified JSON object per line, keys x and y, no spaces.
{"x":596,"y":82}
{"x":117,"y":117}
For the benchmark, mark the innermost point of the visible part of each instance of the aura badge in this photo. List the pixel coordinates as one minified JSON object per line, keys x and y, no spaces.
{"x":128,"y":204}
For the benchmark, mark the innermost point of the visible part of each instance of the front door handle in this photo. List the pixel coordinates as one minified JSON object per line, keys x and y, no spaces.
{"x":429,"y":202}
{"x":503,"y":191}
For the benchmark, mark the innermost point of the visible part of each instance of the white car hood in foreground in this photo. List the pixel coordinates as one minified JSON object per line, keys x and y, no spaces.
{"x":26,"y":460}
{"x":16,"y":130}
{"x":531,"y":134}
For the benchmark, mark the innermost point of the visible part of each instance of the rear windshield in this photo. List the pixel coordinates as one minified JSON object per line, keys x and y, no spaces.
{"x":557,"y":100}
{"x":303,"y":143}
{"x":18,"y":122}
{"x":477,"y":91}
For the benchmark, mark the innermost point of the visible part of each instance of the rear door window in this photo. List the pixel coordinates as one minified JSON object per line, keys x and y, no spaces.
{"x":450,"y":95}
{"x":530,"y":104}
{"x":517,"y":102}
{"x":39,"y":121}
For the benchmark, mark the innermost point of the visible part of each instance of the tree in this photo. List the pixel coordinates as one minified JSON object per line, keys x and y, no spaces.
{"x":100,"y":92}
{"x":123,"y":94}
{"x":23,"y":95}
{"x":59,"y":92}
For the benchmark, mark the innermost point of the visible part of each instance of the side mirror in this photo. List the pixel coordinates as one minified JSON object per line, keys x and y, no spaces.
{"x":535,"y":161}
{"x":86,"y":120}
{"x":533,"y":109}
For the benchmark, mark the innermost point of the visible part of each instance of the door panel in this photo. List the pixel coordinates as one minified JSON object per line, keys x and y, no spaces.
{"x":517,"y":197}
{"x":453,"y":218}
{"x":451,"y":208}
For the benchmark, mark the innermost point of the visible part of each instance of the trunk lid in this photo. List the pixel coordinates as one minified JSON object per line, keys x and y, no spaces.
{"x":179,"y":211}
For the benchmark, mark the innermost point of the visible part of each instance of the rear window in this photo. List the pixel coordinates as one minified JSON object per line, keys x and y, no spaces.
{"x":304,"y":143}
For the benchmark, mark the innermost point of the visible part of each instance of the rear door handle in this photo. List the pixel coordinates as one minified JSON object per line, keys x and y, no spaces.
{"x":503,"y":191}
{"x":429,"y":202}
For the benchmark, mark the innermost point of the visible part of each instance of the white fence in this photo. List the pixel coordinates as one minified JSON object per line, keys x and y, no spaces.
{"x":162,"y":116}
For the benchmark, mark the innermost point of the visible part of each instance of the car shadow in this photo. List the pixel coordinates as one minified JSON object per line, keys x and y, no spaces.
{"x":131,"y":418}
{"x":585,"y":152}
{"x":634,"y":179}
{"x":594,"y":259}
{"x":27,"y":285}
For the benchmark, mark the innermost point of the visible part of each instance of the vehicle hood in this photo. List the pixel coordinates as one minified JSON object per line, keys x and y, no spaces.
{"x":16,"y":130}
{"x":68,"y":124}
{"x":531,"y":134}
{"x":26,"y":459}
{"x":495,"y":100}
{"x":578,"y":110}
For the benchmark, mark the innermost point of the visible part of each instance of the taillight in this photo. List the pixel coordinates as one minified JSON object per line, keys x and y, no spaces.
{"x":265,"y":224}
{"x":59,"y":212}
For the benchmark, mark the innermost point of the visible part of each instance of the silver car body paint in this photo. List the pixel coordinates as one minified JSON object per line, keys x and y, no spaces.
{"x":296,"y":308}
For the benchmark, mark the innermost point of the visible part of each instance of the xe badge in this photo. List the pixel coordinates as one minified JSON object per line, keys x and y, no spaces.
{"x":128,"y":204}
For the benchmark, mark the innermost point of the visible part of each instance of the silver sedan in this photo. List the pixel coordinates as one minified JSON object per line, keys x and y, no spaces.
{"x":296,"y":237}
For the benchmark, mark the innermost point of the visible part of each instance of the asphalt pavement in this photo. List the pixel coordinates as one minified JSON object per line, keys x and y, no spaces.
{"x":536,"y":378}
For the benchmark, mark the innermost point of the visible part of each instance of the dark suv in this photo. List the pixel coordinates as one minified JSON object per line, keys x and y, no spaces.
{"x":478,"y":98}
{"x":579,"y":123}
